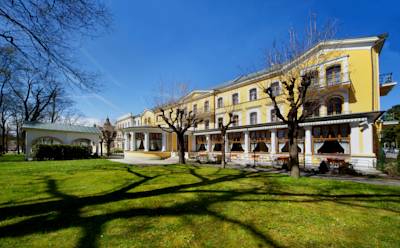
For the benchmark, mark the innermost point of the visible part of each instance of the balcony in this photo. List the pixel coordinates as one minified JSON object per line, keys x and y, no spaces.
{"x":329,"y":82}
{"x":386,"y":83}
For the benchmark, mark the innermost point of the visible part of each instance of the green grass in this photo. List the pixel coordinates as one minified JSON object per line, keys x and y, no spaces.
{"x":98,"y":203}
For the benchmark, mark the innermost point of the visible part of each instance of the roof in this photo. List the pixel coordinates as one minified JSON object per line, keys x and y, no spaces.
{"x":377,"y":40}
{"x":60,"y":127}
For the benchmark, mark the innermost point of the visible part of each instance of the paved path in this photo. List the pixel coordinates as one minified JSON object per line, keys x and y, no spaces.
{"x":349,"y":178}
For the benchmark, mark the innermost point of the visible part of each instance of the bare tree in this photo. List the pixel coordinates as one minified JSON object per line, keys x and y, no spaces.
{"x":290,"y":61}
{"x":108,"y":135}
{"x":179,"y":121}
{"x":46,"y":32}
{"x":223,"y":128}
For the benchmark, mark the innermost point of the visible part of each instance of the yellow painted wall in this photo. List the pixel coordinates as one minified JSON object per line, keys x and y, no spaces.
{"x":363,"y":92}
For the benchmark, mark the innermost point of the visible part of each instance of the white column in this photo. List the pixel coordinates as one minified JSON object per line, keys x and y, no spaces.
{"x":354,"y":138}
{"x":193,"y":145}
{"x":126,"y":142}
{"x":321,"y":76}
{"x":246,"y":142}
{"x":308,"y":140}
{"x":323,"y":111}
{"x":346,"y":108}
{"x":208,"y":138}
{"x":345,"y":64}
{"x":273,"y":141}
{"x":133,"y":141}
{"x":226,"y":143}
{"x":146,"y":141}
{"x":164,"y":142}
{"x":368,"y":139}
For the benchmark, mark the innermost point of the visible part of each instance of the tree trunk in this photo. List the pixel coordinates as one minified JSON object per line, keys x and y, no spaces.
{"x":223,"y":162}
{"x":17,"y":130}
{"x":293,"y":152}
{"x":108,"y":144}
{"x":3,"y":140}
{"x":181,"y":148}
{"x":101,"y":149}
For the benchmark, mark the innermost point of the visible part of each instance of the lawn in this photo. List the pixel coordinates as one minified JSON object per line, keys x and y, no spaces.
{"x":98,"y":203}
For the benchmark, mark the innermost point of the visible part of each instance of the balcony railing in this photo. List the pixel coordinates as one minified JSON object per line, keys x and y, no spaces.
{"x":385,"y":78}
{"x":331,"y":80}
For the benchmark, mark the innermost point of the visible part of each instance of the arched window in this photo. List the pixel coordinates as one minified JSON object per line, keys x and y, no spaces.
{"x":333,"y":75}
{"x":335,"y":105}
{"x":253,"y":94}
{"x":311,"y":108}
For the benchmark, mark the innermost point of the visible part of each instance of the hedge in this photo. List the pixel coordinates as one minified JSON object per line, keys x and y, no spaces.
{"x":61,"y":152}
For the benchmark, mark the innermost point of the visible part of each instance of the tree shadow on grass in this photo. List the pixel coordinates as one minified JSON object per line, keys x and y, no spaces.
{"x":65,"y":212}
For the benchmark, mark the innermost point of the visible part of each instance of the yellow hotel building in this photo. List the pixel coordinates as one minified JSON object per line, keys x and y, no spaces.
{"x":346,"y":90}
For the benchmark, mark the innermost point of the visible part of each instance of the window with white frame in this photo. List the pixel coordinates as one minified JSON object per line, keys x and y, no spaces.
{"x":334,"y":105}
{"x":194,"y":108}
{"x":235,"y":120}
{"x":333,"y":75}
{"x":235,"y":98}
{"x":275,"y":89}
{"x":220,"y":122}
{"x":206,"y":124}
{"x":253,"y":118}
{"x":253,"y":94}
{"x":220,"y":102}
{"x":274,"y":118}
{"x":314,"y":78}
{"x":206,"y":106}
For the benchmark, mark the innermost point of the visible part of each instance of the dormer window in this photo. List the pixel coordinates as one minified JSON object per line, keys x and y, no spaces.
{"x":253,"y":94}
{"x":220,"y":102}
{"x":333,"y":75}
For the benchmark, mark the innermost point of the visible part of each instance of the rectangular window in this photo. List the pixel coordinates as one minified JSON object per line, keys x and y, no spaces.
{"x":275,"y":89}
{"x":253,"y":118}
{"x":220,"y":102}
{"x":235,"y":120}
{"x":206,"y":124}
{"x":274,"y":118}
{"x":195,"y":109}
{"x":235,"y":99}
{"x":253,"y":94}
{"x":220,"y":122}
{"x":333,"y":75}
{"x":206,"y":106}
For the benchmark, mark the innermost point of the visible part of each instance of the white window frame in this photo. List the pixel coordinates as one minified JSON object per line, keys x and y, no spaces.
{"x":250,"y":94}
{"x":257,"y":110}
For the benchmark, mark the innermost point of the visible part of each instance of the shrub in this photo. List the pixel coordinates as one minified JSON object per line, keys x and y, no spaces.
{"x":61,"y":152}
{"x":117,"y":150}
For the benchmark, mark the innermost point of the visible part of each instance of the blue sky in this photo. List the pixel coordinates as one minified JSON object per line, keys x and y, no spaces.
{"x":205,"y":43}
